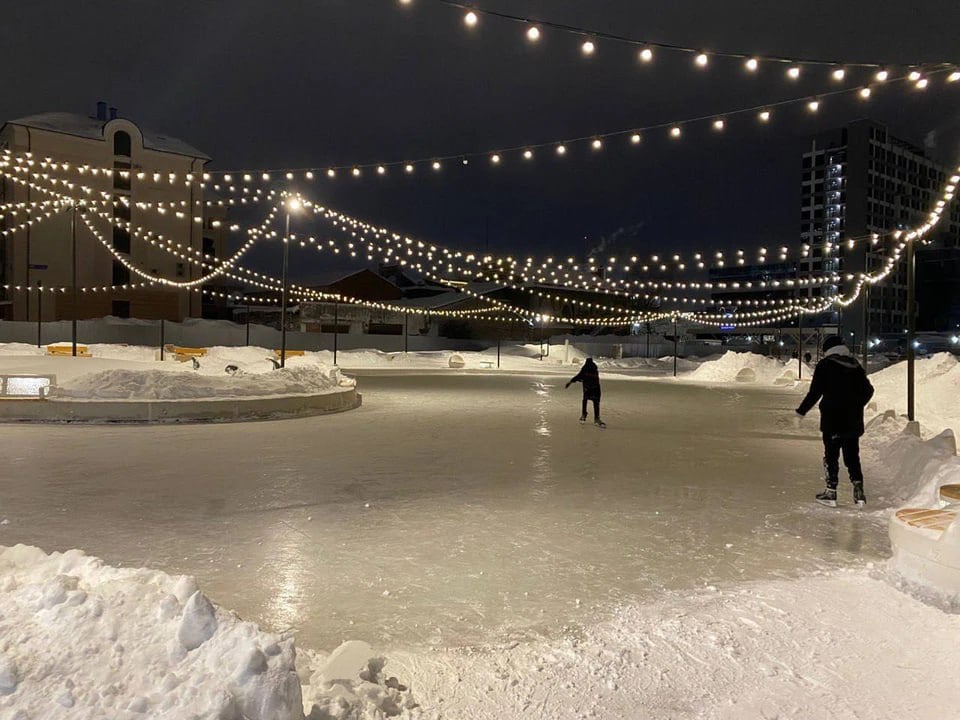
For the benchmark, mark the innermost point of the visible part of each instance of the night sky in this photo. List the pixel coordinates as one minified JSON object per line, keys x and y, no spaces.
{"x":309,"y":83}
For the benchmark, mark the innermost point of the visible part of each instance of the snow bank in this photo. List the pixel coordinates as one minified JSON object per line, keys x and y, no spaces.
{"x":938,"y":391}
{"x":80,"y":639}
{"x":125,"y":384}
{"x":746,"y":367}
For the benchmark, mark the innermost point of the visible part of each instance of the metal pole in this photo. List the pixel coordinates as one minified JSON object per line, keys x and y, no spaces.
{"x":674,"y":345}
{"x":73,"y":320}
{"x":248,"y":324}
{"x":866,"y":322}
{"x":911,"y":330}
{"x":336,"y":327}
{"x":406,"y":331}
{"x":162,"y":339}
{"x":648,"y":340}
{"x":283,"y":295}
{"x":498,"y":353}
{"x":800,"y":345}
{"x":39,"y":312}
{"x":541,"y":338}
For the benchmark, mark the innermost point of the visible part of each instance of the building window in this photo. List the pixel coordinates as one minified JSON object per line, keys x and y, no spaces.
{"x":121,"y":239}
{"x":121,"y":275}
{"x":121,"y":143}
{"x":209,"y":247}
{"x":120,"y":308}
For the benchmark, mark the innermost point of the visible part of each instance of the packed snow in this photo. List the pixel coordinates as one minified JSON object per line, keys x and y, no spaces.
{"x":81,"y":639}
{"x":938,"y":391}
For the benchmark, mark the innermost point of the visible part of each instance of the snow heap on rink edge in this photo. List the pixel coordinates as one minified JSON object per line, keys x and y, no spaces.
{"x":81,"y":639}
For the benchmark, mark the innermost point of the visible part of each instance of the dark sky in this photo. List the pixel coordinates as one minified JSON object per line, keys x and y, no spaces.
{"x":259,"y":83}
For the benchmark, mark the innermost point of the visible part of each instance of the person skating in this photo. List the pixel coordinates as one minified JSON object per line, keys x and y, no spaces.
{"x":589,"y":375}
{"x":842,"y":387}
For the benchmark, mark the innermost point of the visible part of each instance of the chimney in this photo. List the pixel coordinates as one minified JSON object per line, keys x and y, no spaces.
{"x":113,"y":113}
{"x":101,"y":110}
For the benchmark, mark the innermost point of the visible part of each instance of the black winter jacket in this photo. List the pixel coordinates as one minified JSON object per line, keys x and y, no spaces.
{"x":843,"y":386}
{"x":589,"y":375}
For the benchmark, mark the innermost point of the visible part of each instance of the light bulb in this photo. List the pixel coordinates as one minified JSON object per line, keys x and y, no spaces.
{"x":701,"y":59}
{"x":436,"y":165}
{"x":813,"y":105}
{"x":794,"y":72}
{"x":356,"y":172}
{"x":764,"y":115}
{"x":495,"y":159}
{"x":718,"y":124}
{"x":922,"y":83}
{"x":470,"y":19}
{"x":838,"y":74}
{"x":533,"y":33}
{"x":527,"y":154}
{"x":561,"y":149}
{"x":588,"y":47}
{"x":675,"y":131}
{"x":646,"y":55}
{"x":635,"y":138}
{"x":597,"y":144}
{"x":865,"y":93}
{"x":381,"y":170}
{"x":954,"y":76}
{"x":331,"y":173}
{"x":408,"y":168}
{"x":881,"y":76}
{"x":752,"y":64}
{"x":914,"y":76}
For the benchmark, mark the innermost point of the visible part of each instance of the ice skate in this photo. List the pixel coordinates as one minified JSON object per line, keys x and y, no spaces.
{"x":583,"y":418}
{"x":828,"y":497}
{"x":859,"y":499}
{"x":599,"y":423}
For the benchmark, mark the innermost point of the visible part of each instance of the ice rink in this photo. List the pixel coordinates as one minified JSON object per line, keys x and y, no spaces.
{"x":449,"y":510}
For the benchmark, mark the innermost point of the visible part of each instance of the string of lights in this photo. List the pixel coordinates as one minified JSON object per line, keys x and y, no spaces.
{"x":590,"y":39}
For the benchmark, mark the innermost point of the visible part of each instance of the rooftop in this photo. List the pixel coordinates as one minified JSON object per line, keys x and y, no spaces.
{"x":93,"y":128}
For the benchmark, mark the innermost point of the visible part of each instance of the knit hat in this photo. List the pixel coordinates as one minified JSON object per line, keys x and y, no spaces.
{"x":832,"y":342}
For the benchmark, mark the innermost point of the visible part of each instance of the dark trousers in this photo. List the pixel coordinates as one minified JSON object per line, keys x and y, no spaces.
{"x":596,"y":407}
{"x":850,"y":447}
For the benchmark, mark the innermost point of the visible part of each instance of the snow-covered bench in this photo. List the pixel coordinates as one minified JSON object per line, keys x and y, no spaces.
{"x":289,"y":353}
{"x":26,"y":387}
{"x":926,"y":547}
{"x":182,"y":354}
{"x":950,"y":494}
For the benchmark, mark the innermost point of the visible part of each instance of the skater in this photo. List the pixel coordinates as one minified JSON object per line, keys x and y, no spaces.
{"x":589,"y":375}
{"x":843,"y":386}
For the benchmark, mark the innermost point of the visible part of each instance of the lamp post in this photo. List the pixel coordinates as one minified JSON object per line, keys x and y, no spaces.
{"x":292,"y":205}
{"x":76,"y":309}
{"x":911,"y":330}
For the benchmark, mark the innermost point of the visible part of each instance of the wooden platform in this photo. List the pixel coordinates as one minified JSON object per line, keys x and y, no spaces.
{"x":927,"y":519}
{"x":950,"y":493}
{"x":182,"y":354}
{"x":290,"y":353}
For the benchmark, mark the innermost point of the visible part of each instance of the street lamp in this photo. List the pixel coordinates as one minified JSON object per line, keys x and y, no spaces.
{"x":292,"y":205}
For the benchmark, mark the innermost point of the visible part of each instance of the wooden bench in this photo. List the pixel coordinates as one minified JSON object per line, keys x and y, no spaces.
{"x":67,"y":350}
{"x":182,"y":354}
{"x":290,"y":353}
{"x":950,"y":494}
{"x":927,"y":519}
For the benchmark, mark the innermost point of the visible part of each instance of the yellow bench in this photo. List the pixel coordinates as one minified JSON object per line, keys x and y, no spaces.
{"x":182,"y":354}
{"x":927,"y":519}
{"x":950,"y":494}
{"x":290,"y":353}
{"x":67,"y":350}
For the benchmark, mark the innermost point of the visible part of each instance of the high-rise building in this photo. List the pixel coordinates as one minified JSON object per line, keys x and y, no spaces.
{"x":144,"y":179}
{"x":859,"y":181}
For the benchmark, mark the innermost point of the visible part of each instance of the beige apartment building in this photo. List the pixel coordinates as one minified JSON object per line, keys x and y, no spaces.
{"x":147,"y":168}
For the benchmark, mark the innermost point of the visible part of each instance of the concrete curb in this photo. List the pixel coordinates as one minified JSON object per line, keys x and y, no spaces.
{"x":178,"y":411}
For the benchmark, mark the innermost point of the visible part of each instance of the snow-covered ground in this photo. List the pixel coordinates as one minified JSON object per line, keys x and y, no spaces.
{"x":507,"y":561}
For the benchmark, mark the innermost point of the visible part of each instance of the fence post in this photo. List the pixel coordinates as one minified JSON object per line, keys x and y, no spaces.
{"x":162,"y":340}
{"x":39,"y":312}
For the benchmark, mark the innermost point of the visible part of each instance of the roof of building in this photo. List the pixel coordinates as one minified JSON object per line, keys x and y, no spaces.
{"x":92,"y":128}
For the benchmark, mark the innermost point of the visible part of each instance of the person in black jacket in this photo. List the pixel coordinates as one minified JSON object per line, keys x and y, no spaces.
{"x":841,"y":386}
{"x":589,"y":375}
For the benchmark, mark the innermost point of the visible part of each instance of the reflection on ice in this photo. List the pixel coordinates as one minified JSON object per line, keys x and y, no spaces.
{"x":448,"y":509}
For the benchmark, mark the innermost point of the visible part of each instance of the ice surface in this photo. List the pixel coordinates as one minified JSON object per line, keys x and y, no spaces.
{"x":449,"y":509}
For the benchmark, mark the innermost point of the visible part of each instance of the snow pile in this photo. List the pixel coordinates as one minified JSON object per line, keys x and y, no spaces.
{"x":913,"y":469}
{"x":938,"y":391}
{"x":746,"y":367}
{"x":19,"y":349}
{"x":125,"y":384}
{"x":81,"y":639}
